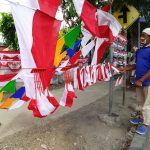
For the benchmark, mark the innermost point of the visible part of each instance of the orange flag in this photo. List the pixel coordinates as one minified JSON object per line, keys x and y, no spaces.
{"x":7,"y":103}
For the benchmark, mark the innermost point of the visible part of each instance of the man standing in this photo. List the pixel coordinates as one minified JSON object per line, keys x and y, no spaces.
{"x":142,"y":82}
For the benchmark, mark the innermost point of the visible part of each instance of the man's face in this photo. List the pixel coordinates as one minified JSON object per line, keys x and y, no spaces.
{"x":145,"y":39}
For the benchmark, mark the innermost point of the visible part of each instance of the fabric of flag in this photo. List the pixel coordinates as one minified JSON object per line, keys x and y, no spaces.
{"x":16,"y":105}
{"x":19,"y":93}
{"x":1,"y":96}
{"x":49,"y":7}
{"x":87,"y":48}
{"x":100,"y":23}
{"x":33,"y":107}
{"x":58,"y":54}
{"x":6,"y":77}
{"x":71,"y":36}
{"x":71,"y":52}
{"x":9,"y":87}
{"x":75,"y":57}
{"x":7,"y":103}
{"x":53,"y":101}
{"x":37,"y":36}
{"x":68,"y":96}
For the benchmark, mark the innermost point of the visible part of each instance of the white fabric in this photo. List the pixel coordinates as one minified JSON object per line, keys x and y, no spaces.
{"x":64,"y":97}
{"x":43,"y":104}
{"x":86,"y":36}
{"x":76,"y":86}
{"x":105,"y":18}
{"x":86,"y":49}
{"x":18,"y":104}
{"x":87,"y":76}
{"x":64,"y":64}
{"x":78,"y":6}
{"x":29,"y":84}
{"x":23,"y":18}
{"x":99,"y":42}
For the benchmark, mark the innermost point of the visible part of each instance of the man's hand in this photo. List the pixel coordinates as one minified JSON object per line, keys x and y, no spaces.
{"x":139,"y":83}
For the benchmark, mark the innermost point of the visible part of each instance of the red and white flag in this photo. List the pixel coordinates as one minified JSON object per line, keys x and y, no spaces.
{"x":100,"y":23}
{"x":37,"y":36}
{"x":68,"y":96}
{"x":50,"y":7}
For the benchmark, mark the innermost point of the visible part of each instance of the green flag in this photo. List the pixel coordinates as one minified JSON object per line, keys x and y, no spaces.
{"x":70,"y":38}
{"x":9,"y":87}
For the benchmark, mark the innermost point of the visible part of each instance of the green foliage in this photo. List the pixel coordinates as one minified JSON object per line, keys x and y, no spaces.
{"x":8,"y":31}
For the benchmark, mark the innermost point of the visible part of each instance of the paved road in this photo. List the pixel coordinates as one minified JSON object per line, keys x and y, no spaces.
{"x":21,"y":118}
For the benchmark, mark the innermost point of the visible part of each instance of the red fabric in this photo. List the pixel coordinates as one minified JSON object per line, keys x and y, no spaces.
{"x":99,"y":73}
{"x":25,"y":98}
{"x":49,"y":6}
{"x":79,"y":80}
{"x":89,"y":18}
{"x":16,"y":58}
{"x":44,"y":43}
{"x":105,"y":32}
{"x":70,"y":97}
{"x":101,"y":51}
{"x":75,"y":57}
{"x":54,"y":102}
{"x":7,"y":77}
{"x":33,"y":106}
{"x":106,"y":8}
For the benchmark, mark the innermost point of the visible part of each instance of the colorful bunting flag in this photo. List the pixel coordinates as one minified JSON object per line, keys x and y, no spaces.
{"x":71,"y":52}
{"x":71,"y":37}
{"x":19,"y":93}
{"x":7,"y":103}
{"x":1,"y":96}
{"x":9,"y":87}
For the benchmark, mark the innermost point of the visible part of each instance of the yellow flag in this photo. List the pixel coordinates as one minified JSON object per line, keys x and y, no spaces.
{"x":7,"y":103}
{"x":1,"y":96}
{"x":58,"y":55}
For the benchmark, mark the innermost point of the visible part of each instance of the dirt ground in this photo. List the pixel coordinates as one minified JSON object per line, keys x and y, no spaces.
{"x":87,"y":128}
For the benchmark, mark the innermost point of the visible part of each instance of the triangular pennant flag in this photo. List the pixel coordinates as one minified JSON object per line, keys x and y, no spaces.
{"x":58,"y":55}
{"x":9,"y":87}
{"x":19,"y":93}
{"x":68,"y":96}
{"x":71,"y":52}
{"x":71,"y":37}
{"x":7,"y":103}
{"x":1,"y":96}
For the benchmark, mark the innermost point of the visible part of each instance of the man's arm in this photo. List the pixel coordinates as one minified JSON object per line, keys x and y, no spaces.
{"x":128,"y":68}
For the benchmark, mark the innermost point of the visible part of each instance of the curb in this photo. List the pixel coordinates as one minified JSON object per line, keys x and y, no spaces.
{"x":140,"y":142}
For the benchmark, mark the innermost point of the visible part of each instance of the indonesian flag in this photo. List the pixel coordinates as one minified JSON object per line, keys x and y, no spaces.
{"x":43,"y":105}
{"x":37,"y":35}
{"x":68,"y":96}
{"x":50,"y":7}
{"x":100,"y":23}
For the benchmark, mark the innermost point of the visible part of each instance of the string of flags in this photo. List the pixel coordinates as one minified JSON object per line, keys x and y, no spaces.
{"x":42,"y":56}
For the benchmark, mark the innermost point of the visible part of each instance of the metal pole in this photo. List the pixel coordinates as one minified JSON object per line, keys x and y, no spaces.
{"x":111,"y":83}
{"x":124,"y":89}
{"x":139,"y":30}
{"x":111,"y":79}
{"x":124,"y":80}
